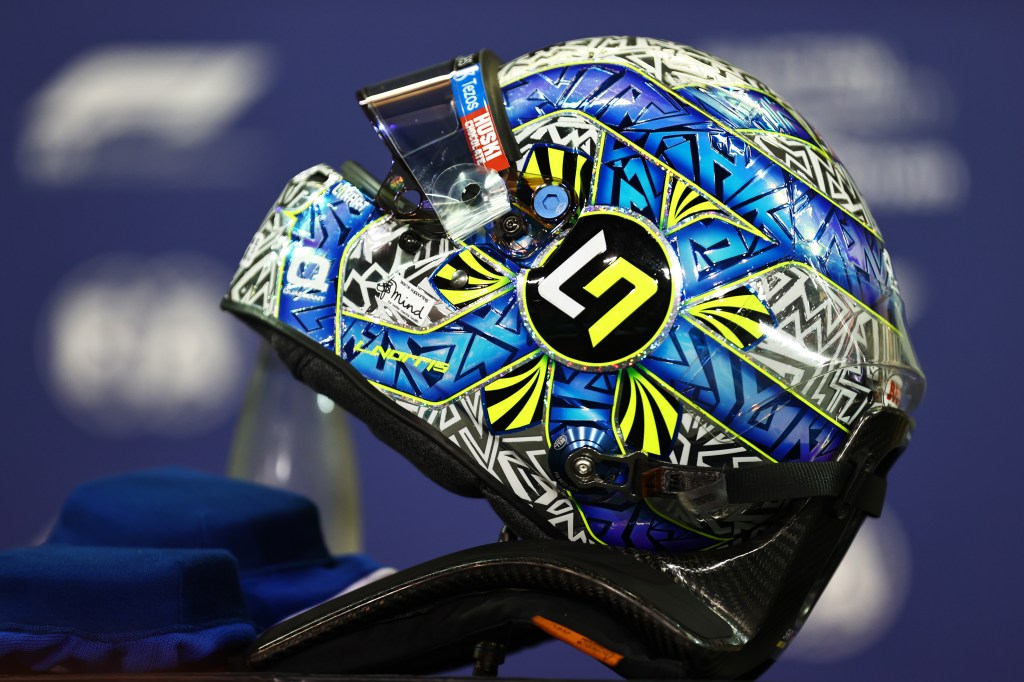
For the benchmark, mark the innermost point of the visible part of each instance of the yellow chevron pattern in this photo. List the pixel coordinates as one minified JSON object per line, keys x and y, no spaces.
{"x":516,"y":400}
{"x":737,"y":315}
{"x":647,"y":414}
{"x":482,"y":279}
{"x":682,"y":202}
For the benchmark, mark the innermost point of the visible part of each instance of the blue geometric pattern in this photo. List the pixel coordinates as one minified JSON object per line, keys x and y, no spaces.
{"x":713,"y":252}
{"x":581,"y":398}
{"x":806,"y":225}
{"x":475,"y":347}
{"x":742,"y":397}
{"x":627,"y":178}
{"x":622,"y":523}
{"x":322,"y":228}
{"x":743,"y":109}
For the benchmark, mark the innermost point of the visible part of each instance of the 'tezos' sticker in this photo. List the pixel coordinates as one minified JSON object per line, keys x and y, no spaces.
{"x":476,"y":119}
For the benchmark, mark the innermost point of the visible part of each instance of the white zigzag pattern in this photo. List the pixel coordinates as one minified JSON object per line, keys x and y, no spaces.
{"x":568,"y":130}
{"x":826,"y":174}
{"x":257,"y":285}
{"x":701,"y":443}
{"x":517,"y":462}
{"x":255,"y":282}
{"x":825,"y":344}
{"x":676,"y":65}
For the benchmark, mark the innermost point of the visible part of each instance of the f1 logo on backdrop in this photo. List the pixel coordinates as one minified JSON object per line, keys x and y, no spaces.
{"x":604,"y":294}
{"x":138,"y":114}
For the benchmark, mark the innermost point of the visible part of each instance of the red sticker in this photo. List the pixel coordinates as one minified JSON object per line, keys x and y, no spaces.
{"x":893,"y":395}
{"x":483,"y":139}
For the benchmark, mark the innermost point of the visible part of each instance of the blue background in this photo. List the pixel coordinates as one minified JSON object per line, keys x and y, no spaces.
{"x":954,"y":238}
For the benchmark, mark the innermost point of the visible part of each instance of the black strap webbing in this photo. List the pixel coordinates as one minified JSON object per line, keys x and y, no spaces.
{"x":765,"y":483}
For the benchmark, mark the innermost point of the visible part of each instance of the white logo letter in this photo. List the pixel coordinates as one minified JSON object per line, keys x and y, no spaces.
{"x":550,"y":287}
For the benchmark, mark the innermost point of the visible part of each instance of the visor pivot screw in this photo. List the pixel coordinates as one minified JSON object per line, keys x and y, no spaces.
{"x":460,"y":279}
{"x":512,"y":225}
{"x":550,"y":202}
{"x":583,"y":467}
{"x":410,"y":242}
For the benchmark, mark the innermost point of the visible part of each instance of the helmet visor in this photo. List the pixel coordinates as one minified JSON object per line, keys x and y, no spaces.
{"x":447,"y":125}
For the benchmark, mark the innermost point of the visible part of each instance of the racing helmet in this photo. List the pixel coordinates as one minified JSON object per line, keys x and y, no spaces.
{"x":622,"y":290}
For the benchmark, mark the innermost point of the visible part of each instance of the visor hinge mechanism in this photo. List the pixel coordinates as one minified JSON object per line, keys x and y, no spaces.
{"x":588,"y":469}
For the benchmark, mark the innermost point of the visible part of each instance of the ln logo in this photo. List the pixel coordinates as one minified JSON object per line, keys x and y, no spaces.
{"x":605,"y":293}
{"x":620,"y":269}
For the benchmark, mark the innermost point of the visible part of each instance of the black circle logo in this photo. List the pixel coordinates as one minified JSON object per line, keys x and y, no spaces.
{"x":604,"y":294}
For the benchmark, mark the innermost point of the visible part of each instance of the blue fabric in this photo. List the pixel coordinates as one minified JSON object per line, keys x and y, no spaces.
{"x":102,"y":609}
{"x":174,"y":507}
{"x":274,"y":534}
{"x":273,"y":595}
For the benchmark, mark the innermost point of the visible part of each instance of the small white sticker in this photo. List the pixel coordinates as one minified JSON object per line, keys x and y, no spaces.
{"x":403,"y":299}
{"x":351,"y":196}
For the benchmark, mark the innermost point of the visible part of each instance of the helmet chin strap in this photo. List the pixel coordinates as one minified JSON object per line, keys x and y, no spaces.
{"x":856,"y":478}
